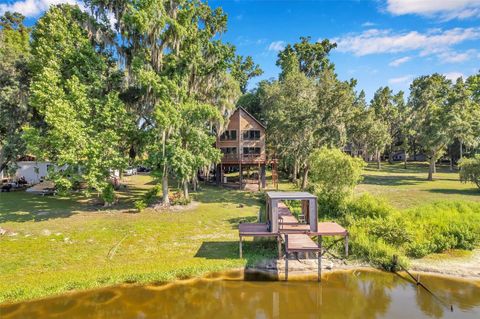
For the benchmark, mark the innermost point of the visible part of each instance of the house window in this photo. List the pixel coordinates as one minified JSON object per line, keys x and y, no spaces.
{"x":228,"y":150}
{"x":251,"y":151}
{"x":251,"y":135}
{"x":230,"y":135}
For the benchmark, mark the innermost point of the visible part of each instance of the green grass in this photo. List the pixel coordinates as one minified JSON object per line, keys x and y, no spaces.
{"x":405,"y":188}
{"x":63,"y":244}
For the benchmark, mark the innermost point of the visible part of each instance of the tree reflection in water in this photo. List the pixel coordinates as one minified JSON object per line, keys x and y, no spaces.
{"x":340,"y":295}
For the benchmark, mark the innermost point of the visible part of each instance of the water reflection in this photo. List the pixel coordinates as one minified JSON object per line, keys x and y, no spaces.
{"x":340,"y":295}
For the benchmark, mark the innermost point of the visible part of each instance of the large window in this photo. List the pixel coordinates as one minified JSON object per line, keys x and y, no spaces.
{"x":251,"y":135}
{"x":251,"y":151}
{"x":230,"y":135}
{"x":228,"y":150}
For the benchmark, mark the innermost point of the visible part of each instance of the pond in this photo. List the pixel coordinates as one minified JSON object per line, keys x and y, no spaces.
{"x":357,"y":294}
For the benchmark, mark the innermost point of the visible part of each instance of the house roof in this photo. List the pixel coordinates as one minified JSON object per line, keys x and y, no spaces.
{"x":253,"y":117}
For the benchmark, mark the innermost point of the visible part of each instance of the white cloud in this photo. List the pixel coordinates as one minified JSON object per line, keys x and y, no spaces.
{"x":401,"y":80}
{"x":399,"y":61}
{"x":445,"y":9}
{"x":432,"y":42}
{"x":457,"y":57}
{"x":276,"y":46}
{"x":368,"y":24}
{"x":454,"y":75}
{"x":32,"y":8}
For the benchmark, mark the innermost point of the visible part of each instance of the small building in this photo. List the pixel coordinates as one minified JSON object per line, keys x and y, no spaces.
{"x":242,"y":143}
{"x":32,"y":170}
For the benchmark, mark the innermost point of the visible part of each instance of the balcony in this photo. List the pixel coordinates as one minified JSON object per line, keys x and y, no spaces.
{"x":243,"y":158}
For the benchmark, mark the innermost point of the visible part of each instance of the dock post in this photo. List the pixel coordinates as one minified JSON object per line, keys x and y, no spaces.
{"x":279,"y":247}
{"x":346,"y":245}
{"x":240,"y":246}
{"x":286,"y":257}
{"x":319,"y":262}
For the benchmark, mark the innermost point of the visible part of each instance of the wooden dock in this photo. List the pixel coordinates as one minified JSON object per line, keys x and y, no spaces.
{"x":295,"y":235}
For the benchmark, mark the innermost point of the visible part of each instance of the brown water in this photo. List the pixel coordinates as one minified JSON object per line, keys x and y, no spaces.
{"x":340,"y":295}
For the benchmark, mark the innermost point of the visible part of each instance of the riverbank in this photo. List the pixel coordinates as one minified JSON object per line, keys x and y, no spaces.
{"x":465,"y":265}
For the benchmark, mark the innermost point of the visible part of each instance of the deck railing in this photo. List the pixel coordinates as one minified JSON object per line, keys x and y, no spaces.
{"x":244,"y":158}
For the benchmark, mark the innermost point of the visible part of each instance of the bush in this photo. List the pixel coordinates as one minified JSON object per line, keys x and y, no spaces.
{"x":378,"y":231}
{"x":177,"y":198}
{"x":470,"y":170}
{"x":333,"y":175}
{"x":108,"y":194}
{"x":368,"y":206}
{"x":147,"y":199}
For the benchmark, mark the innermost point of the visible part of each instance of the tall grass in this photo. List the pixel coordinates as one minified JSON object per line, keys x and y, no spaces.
{"x":379,"y":231}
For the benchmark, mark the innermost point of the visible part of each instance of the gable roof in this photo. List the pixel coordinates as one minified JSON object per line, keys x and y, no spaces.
{"x":253,"y":117}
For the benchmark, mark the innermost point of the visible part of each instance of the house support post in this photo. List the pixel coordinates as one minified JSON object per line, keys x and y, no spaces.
{"x":279,"y":247}
{"x":263,"y":177}
{"x":240,"y":174}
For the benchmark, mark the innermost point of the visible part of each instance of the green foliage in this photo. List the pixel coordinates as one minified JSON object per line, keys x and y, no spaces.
{"x":14,"y":87}
{"x":333,"y":175}
{"x":368,"y":206}
{"x":108,"y":194}
{"x":378,"y":231}
{"x":177,"y":198}
{"x":470,"y":170}
{"x":71,"y":84}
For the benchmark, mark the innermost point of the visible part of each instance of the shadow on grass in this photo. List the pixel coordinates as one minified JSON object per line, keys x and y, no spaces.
{"x":237,"y":220}
{"x":253,"y":251}
{"x":451,"y":191}
{"x":215,"y":194}
{"x":386,"y":180}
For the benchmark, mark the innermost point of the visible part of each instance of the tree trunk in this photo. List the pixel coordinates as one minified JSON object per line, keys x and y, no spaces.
{"x":431,"y":168}
{"x":185,"y":189}
{"x":390,"y":156}
{"x":165,"y":199}
{"x":194,"y":182}
{"x":461,"y":149}
{"x":451,"y":163}
{"x":405,"y":160}
{"x":434,"y":167}
{"x":305,"y":177}
{"x":379,"y":164}
{"x":295,"y":171}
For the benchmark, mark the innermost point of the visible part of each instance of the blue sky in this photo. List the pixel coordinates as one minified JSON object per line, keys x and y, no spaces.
{"x":381,"y":42}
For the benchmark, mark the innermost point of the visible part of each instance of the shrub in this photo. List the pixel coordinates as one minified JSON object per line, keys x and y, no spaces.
{"x":378,"y":231}
{"x":470,"y":170}
{"x":177,"y":198}
{"x":108,"y":194}
{"x":333,"y":175}
{"x":140,"y":205}
{"x":368,"y":206}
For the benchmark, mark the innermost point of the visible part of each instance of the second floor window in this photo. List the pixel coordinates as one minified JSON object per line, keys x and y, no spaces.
{"x":228,"y":150}
{"x":230,"y":135}
{"x":251,"y":135}
{"x":251,"y":151}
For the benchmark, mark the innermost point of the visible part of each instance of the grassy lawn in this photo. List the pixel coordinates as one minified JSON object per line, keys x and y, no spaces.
{"x":405,"y":188}
{"x":60,"y":244}
{"x":57,"y":244}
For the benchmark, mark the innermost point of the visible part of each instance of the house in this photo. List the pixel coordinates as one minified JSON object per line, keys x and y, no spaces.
{"x":32,"y":170}
{"x":242,"y":143}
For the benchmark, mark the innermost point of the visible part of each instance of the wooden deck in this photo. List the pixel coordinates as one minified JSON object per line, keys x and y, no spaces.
{"x":300,"y":243}
{"x":295,"y":235}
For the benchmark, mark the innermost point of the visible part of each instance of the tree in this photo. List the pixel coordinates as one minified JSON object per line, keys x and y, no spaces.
{"x":85,"y":121}
{"x":378,"y":136}
{"x":14,"y":83}
{"x":173,"y":63}
{"x":334,"y":175}
{"x":309,"y":58}
{"x":386,"y":107}
{"x":430,"y":115}
{"x":243,"y":70}
{"x":470,"y":170}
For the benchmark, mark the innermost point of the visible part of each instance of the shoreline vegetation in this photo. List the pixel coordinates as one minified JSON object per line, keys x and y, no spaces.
{"x":55,"y":244}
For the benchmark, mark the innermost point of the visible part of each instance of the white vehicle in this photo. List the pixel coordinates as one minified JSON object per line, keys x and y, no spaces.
{"x":130,"y":171}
